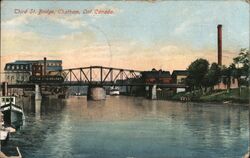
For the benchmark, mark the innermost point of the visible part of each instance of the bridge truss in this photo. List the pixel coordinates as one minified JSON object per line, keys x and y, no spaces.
{"x":97,"y":75}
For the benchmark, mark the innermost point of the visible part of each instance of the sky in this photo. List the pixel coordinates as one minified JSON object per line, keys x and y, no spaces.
{"x":139,"y":35}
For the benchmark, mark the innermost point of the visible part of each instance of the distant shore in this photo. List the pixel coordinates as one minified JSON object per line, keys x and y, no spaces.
{"x":219,"y":96}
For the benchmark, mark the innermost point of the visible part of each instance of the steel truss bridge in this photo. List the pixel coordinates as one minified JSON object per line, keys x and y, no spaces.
{"x":99,"y":76}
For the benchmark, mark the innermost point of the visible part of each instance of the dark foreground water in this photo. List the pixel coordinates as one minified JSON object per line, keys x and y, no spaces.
{"x":127,"y":127}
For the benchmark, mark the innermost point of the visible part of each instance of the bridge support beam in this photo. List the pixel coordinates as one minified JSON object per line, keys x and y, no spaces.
{"x":37,"y":93}
{"x":96,"y":93}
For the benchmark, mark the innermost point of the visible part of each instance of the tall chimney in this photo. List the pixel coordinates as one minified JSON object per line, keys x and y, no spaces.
{"x":44,"y":65}
{"x":219,"y":27}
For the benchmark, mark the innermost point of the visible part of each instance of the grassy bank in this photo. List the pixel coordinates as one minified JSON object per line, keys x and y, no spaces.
{"x":234,"y":96}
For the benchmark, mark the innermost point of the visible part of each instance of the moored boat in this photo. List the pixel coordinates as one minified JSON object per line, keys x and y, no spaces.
{"x":3,"y":135}
{"x":114,"y":91}
{"x":12,"y":113}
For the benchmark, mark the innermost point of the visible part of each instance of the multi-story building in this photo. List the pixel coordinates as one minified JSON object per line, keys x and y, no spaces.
{"x":20,"y":70}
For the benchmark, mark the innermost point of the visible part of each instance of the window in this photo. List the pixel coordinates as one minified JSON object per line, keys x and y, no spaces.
{"x":17,"y":67}
{"x":12,"y":67}
{"x":21,"y":67}
{"x":8,"y":67}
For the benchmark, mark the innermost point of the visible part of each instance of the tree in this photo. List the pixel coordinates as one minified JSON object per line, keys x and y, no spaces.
{"x":243,"y":57}
{"x":242,"y":68}
{"x":228,"y":74}
{"x":197,"y":71}
{"x":213,"y":76}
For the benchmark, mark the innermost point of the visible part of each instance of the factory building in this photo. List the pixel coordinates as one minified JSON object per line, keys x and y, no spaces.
{"x":19,"y":71}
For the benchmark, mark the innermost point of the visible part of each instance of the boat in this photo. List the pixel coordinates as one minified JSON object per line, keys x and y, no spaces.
{"x":114,"y":91}
{"x":78,"y":94}
{"x":12,"y":114}
{"x":4,"y":135}
{"x":2,"y":155}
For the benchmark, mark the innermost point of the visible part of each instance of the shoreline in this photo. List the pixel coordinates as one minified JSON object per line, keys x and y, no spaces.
{"x":209,"y":102}
{"x":234,"y":96}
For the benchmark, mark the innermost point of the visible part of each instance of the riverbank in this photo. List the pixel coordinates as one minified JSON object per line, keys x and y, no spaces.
{"x":219,"y":96}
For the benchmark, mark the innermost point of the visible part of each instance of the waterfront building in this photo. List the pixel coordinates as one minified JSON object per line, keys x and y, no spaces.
{"x":179,"y":77}
{"x":223,"y":86}
{"x":19,"y":71}
{"x":155,"y":76}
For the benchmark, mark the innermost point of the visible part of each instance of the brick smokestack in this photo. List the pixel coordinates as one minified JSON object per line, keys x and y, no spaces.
{"x":219,"y":27}
{"x":44,"y":65}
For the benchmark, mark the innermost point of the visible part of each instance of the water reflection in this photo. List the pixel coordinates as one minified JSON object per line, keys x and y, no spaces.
{"x":133,"y":127}
{"x":38,"y":108}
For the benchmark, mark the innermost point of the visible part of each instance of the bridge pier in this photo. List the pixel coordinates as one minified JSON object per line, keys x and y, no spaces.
{"x":151,"y":92}
{"x":96,"y":93}
{"x":129,"y":90}
{"x":37,"y":93}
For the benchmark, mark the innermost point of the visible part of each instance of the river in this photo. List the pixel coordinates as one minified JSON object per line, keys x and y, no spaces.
{"x":130,"y":127}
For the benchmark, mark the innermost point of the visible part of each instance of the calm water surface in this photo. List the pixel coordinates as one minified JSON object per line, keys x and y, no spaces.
{"x":127,"y":127}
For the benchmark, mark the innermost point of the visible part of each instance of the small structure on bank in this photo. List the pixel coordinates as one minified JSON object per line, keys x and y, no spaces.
{"x":222,"y":85}
{"x":155,"y":76}
{"x":179,"y":77}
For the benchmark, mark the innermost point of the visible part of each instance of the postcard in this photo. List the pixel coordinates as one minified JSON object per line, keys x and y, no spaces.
{"x":124,"y":79}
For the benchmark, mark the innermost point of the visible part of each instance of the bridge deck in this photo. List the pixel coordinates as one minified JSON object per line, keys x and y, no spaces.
{"x":30,"y":85}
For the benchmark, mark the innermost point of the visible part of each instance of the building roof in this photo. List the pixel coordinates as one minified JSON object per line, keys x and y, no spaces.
{"x":19,"y":62}
{"x":154,"y":73}
{"x":32,"y":61}
{"x":180,"y":72}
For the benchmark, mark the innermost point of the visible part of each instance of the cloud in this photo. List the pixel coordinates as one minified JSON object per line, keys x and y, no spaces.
{"x":16,"y":42}
{"x":19,"y":20}
{"x":83,"y":49}
{"x":71,"y":21}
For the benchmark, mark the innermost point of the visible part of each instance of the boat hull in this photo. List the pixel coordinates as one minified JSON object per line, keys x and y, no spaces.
{"x":114,"y":93}
{"x":13,"y":115}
